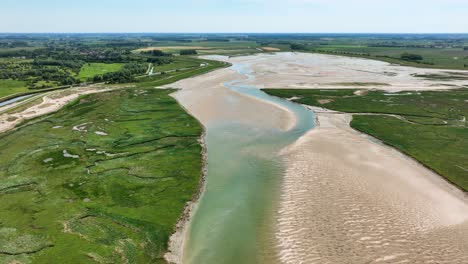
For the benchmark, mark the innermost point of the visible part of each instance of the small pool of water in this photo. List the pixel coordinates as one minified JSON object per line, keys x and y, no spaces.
{"x":14,"y":100}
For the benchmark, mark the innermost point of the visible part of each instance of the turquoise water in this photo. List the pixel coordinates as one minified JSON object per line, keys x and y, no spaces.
{"x":234,"y":219}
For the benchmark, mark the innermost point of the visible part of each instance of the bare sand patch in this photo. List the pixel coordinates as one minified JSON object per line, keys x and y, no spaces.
{"x":361,"y":92}
{"x":325,"y":101}
{"x":270,"y":49}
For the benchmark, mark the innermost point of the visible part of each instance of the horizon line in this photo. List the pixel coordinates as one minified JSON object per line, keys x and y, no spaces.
{"x":344,"y":33}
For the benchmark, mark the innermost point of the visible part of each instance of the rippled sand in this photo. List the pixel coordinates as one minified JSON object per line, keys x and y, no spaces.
{"x":347,"y":199}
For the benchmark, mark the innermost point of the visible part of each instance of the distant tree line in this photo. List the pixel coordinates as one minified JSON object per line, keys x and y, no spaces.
{"x":340,"y":52}
{"x":296,"y":46}
{"x":188,"y":52}
{"x":160,"y":60}
{"x":72,"y":64}
{"x":122,"y":76}
{"x":14,"y":44}
{"x":156,"y":53}
{"x":411,"y":57}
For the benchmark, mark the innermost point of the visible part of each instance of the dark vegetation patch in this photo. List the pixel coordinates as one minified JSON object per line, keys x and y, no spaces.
{"x":446,"y":76}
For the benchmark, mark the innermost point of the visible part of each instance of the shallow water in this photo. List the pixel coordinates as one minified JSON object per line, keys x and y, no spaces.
{"x":233,"y":221}
{"x":14,"y":100}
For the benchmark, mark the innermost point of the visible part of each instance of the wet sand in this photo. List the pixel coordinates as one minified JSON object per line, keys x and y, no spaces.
{"x":348,"y":199}
{"x":345,"y":198}
{"x":210,"y":101}
{"x":304,"y":70}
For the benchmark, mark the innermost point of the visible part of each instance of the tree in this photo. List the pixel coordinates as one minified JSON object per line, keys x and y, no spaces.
{"x":411,"y":57}
{"x":296,"y":46}
{"x":188,"y":52}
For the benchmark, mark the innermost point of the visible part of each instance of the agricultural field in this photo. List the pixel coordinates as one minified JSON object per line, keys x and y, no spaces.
{"x":104,"y":179}
{"x":428,"y":126}
{"x":90,"y":70}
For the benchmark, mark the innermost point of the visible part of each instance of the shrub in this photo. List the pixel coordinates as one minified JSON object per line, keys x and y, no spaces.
{"x":411,"y":57}
{"x":188,"y":52}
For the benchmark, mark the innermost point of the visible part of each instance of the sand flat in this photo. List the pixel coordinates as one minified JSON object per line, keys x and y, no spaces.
{"x":306,"y":70}
{"x":209,"y":100}
{"x":348,"y":199}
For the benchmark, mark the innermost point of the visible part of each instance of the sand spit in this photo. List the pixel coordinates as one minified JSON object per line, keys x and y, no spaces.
{"x":348,"y":199}
{"x":51,"y":102}
{"x":210,"y":101}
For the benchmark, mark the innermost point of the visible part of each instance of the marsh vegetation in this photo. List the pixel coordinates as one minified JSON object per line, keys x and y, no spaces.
{"x":429,"y":126}
{"x":104,"y":179}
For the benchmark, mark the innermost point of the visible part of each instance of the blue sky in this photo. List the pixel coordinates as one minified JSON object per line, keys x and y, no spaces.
{"x":311,"y":16}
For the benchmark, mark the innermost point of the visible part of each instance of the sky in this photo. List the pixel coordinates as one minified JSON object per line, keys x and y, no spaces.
{"x":234,"y":16}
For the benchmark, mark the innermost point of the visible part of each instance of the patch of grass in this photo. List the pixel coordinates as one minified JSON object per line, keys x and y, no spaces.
{"x":10,"y":87}
{"x":431,"y":127}
{"x":89,"y":70}
{"x":107,"y":184}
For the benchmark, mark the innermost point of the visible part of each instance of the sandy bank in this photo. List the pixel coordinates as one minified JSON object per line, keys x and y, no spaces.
{"x":210,"y":101}
{"x":349,"y":199}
